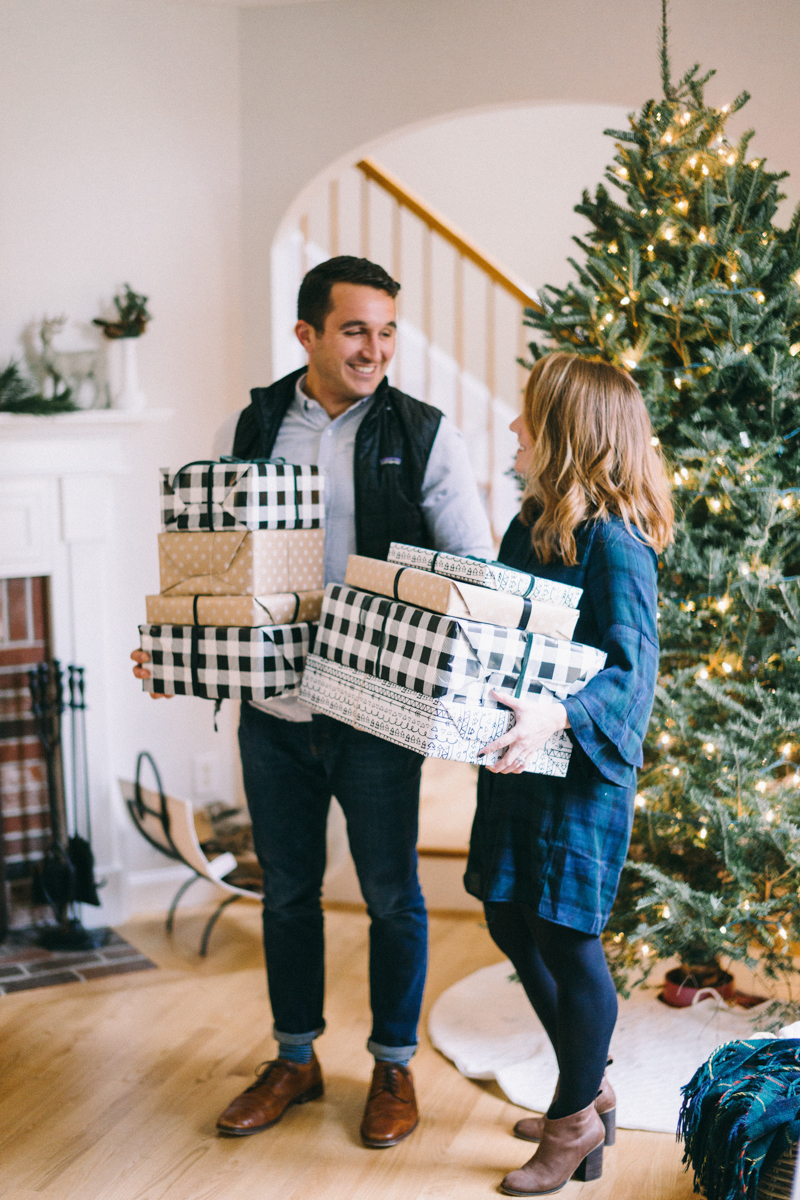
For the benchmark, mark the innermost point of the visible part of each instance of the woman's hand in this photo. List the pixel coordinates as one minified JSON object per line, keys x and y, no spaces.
{"x":535,"y":723}
{"x":141,"y":672}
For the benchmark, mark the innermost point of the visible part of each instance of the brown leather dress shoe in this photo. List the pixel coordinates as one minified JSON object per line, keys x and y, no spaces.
{"x":280,"y":1084}
{"x":391,"y":1112}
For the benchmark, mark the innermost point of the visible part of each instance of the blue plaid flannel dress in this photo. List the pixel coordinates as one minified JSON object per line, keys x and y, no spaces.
{"x":558,"y":845}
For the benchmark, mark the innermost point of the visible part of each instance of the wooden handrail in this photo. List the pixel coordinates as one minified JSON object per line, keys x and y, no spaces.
{"x":389,"y":183}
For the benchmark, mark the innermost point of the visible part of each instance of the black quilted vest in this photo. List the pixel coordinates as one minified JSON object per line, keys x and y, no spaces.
{"x":392,"y":447}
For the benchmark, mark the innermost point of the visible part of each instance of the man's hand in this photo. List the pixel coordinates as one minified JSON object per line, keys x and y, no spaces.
{"x":535,"y":723}
{"x":141,"y":656}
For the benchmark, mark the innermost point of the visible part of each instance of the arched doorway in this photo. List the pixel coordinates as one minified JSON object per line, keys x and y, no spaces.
{"x":507,"y":178}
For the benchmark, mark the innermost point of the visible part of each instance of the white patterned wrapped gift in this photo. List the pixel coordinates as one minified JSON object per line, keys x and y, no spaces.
{"x":224,"y":662}
{"x":494,"y":575}
{"x":437,"y":655}
{"x":435,"y":727}
{"x":208,"y":496}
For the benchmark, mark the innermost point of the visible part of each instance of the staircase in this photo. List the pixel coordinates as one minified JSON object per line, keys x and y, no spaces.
{"x":460,"y":329}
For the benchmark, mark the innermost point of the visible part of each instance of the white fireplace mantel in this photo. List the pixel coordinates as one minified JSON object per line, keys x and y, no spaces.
{"x":86,"y":419}
{"x":70,"y":443}
{"x":57,"y":518}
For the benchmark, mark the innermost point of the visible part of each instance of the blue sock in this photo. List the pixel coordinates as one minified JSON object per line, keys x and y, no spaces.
{"x":298,"y":1054}
{"x":401,"y":1060}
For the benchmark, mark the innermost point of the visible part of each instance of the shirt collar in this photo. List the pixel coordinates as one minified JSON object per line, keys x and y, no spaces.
{"x":314,"y":408}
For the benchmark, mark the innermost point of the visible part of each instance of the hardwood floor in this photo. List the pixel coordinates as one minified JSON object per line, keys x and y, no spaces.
{"x":111,"y":1088}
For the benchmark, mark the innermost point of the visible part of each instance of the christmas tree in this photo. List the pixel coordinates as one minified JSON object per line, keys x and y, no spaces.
{"x":686,"y":281}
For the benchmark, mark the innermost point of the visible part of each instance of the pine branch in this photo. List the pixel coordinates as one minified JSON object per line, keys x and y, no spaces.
{"x":663,"y":50}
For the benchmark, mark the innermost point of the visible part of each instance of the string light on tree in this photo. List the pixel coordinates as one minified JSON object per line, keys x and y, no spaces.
{"x":709,"y":319}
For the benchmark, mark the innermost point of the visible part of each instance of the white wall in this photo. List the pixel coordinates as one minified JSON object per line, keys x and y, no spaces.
{"x":321,"y":80}
{"x":119,"y":143}
{"x":511,"y":177}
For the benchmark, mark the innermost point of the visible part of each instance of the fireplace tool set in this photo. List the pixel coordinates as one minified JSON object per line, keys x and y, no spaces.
{"x":65,"y":877}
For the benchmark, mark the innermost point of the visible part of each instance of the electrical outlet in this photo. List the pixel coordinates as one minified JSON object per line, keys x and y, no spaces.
{"x":206,"y":776}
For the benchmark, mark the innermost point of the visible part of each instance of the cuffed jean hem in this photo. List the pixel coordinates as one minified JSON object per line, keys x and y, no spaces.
{"x":297,"y":1039}
{"x":395,"y":1054}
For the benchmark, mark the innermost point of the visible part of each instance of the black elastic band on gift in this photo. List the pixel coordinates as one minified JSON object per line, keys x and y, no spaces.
{"x":228,"y":458}
{"x":217,"y":707}
{"x":195,"y":619}
{"x":210,"y":499}
{"x":382,"y":641}
{"x":526,"y":614}
{"x":296,"y":607}
{"x":434,"y":561}
{"x":396,"y":585}
{"x":194,"y":660}
{"x":524,"y":667}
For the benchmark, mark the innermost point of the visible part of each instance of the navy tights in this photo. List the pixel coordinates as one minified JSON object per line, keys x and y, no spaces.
{"x":566,"y":978}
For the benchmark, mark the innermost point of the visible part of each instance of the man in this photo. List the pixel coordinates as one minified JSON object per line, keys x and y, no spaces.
{"x":395,"y":470}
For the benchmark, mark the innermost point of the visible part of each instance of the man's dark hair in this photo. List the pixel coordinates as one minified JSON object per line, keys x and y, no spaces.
{"x":314,"y":297}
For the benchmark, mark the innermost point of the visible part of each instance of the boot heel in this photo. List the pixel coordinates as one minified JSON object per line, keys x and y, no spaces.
{"x":609,"y":1119}
{"x":591,"y":1167}
{"x":313,"y":1093}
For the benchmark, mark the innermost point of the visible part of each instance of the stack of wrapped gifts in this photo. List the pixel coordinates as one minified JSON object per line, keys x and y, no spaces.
{"x":412,"y":649}
{"x":241,"y":566}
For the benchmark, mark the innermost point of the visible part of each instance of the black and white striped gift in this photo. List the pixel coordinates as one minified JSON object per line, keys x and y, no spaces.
{"x":247,"y":495}
{"x":437,"y":655}
{"x":226,"y":662}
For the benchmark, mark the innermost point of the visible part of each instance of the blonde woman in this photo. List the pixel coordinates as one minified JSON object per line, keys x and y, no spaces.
{"x":546,"y":853}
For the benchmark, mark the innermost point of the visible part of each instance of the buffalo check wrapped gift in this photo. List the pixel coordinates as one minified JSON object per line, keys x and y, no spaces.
{"x":284,"y":608}
{"x":225,"y":663}
{"x":242,"y":495}
{"x":439,"y":655}
{"x":458,"y":599}
{"x":240,"y":563}
{"x":482,"y":573}
{"x":451,"y":661}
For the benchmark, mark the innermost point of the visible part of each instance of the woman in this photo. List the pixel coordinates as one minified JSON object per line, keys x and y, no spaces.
{"x":546,"y":853}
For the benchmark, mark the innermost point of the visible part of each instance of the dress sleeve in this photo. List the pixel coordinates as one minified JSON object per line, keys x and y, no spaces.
{"x":609,"y":717}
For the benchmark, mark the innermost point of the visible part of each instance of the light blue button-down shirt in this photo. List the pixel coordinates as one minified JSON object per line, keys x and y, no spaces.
{"x":453,"y":508}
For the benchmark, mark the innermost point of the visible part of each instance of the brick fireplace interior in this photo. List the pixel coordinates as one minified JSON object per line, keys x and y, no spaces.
{"x":24,"y":813}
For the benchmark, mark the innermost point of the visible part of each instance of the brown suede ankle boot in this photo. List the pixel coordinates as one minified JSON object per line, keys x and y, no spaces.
{"x":529,"y":1129}
{"x":570,"y":1148}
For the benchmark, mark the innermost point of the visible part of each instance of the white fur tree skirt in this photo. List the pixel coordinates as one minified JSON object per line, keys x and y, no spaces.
{"x":485,"y":1024}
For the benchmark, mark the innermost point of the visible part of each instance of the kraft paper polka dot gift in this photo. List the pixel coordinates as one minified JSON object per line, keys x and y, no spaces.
{"x":240,"y":563}
{"x":458,"y":599}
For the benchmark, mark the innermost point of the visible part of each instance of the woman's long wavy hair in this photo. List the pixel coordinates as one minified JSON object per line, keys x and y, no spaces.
{"x":593,"y":456}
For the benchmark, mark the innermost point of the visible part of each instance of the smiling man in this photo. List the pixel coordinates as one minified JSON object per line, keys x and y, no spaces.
{"x":395,"y":470}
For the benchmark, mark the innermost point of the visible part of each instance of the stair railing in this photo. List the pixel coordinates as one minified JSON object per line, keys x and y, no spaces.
{"x":459,"y":311}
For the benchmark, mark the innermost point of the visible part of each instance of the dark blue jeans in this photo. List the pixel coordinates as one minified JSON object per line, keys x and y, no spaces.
{"x":291,"y":770}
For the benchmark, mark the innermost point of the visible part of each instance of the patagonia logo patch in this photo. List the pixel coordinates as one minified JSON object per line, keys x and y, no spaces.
{"x":390,"y":462}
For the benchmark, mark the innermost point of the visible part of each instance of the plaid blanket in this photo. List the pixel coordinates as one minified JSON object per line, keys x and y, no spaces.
{"x":741,"y":1111}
